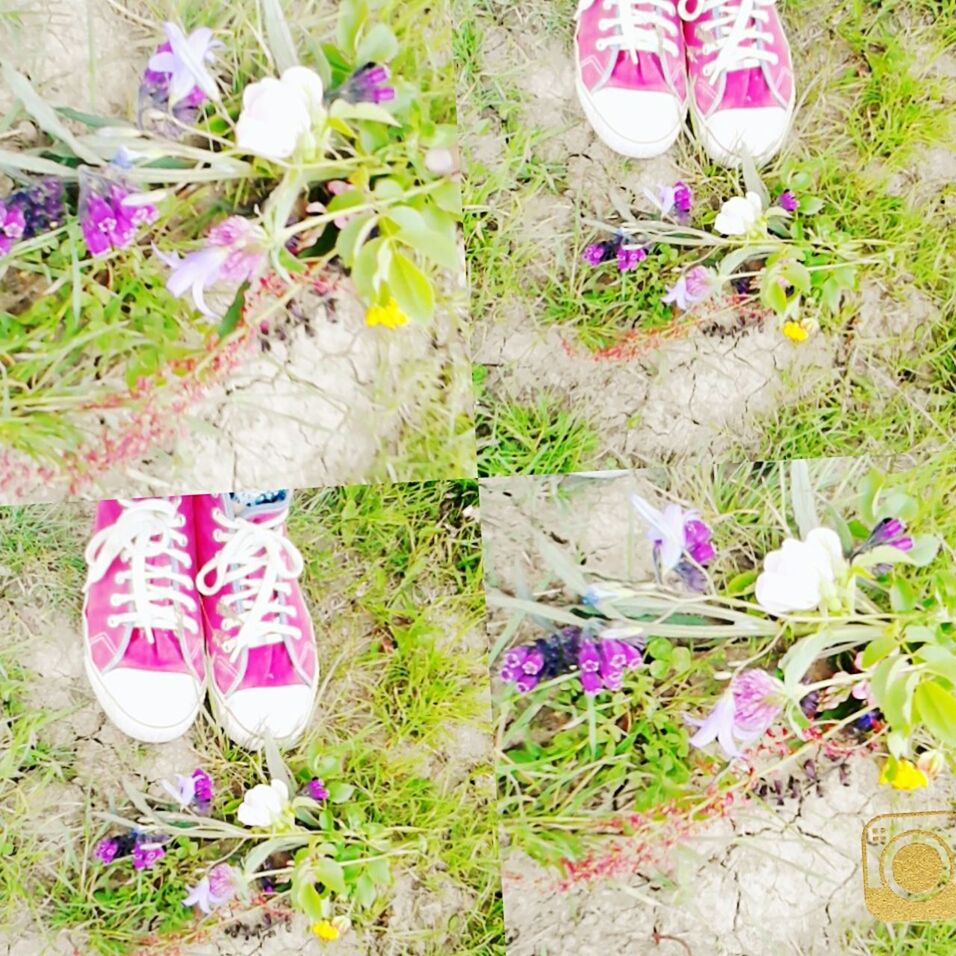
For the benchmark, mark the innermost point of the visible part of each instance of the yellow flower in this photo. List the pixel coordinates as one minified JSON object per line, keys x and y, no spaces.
{"x":325,"y":930}
{"x":795,"y":331}
{"x":389,"y":315}
{"x":907,"y":777}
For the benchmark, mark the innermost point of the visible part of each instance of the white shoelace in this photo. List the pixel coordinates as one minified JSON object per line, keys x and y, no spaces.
{"x":147,"y":537}
{"x":736,"y":29}
{"x":639,"y":25}
{"x":247,"y":548}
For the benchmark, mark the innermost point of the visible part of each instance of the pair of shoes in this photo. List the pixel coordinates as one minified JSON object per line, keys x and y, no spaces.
{"x":194,"y":590}
{"x":642,"y":63}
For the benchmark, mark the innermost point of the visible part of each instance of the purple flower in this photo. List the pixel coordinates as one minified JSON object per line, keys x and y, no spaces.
{"x":12,"y":226}
{"x":788,"y":201}
{"x":317,"y":789}
{"x":235,"y":252}
{"x":675,"y":532}
{"x":179,"y":66}
{"x":599,"y":252}
{"x":692,"y":288}
{"x":110,"y":211}
{"x":40,"y":205}
{"x":196,"y":788}
{"x":106,"y":850}
{"x":368,"y":84}
{"x":533,"y":662}
{"x":147,"y":854}
{"x":676,"y":200}
{"x":628,"y":257}
{"x":891,"y":532}
{"x":214,"y":889}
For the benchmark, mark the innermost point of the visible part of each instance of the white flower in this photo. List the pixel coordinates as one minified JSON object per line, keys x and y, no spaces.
{"x":264,"y":805}
{"x":276,"y":114}
{"x":801,"y":575}
{"x":739,"y":215}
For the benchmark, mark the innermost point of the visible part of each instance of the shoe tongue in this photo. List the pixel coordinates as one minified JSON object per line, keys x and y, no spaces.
{"x":253,"y":504}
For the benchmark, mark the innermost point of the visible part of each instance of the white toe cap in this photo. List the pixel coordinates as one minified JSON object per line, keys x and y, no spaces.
{"x":152,"y":706}
{"x":760,"y":131}
{"x":632,"y":122}
{"x":282,"y":711}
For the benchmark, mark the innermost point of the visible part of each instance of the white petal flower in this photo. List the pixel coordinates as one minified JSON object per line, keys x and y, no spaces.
{"x":739,"y":215}
{"x":276,"y":114}
{"x":801,"y":575}
{"x":264,"y":804}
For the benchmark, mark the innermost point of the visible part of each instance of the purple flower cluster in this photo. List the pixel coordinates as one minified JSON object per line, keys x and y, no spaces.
{"x":109,"y":212}
{"x":683,"y":200}
{"x":368,"y":84}
{"x":628,"y":257}
{"x":202,"y":784}
{"x":600,"y":662}
{"x":30,"y":211}
{"x":146,"y":849}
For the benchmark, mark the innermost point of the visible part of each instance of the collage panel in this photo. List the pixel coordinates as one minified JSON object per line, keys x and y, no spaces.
{"x":770,"y":277}
{"x":229,"y":247}
{"x":724,"y":707}
{"x":334,"y":791}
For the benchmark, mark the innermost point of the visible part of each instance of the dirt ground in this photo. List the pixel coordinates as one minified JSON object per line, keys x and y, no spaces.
{"x":318,"y":409}
{"x":767,"y":880}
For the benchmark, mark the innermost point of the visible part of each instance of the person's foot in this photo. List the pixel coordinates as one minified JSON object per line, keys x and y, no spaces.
{"x":141,"y":619}
{"x":631,"y":73}
{"x":259,"y":638}
{"x":740,"y":71}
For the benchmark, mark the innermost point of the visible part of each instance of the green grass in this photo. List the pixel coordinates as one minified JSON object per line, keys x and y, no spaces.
{"x":542,"y":437}
{"x":393,"y":578}
{"x":903,"y":939}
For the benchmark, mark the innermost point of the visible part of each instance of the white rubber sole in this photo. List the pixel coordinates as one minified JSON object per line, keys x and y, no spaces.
{"x":126,"y":722}
{"x":620,"y":144}
{"x":250,"y":738}
{"x":732,"y":160}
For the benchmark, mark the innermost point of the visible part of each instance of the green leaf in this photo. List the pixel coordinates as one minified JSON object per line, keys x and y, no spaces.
{"x":447,"y":196}
{"x":411,"y":288}
{"x":350,"y":236}
{"x":802,"y":497}
{"x":365,"y":268}
{"x":369,"y":112}
{"x":309,"y":901}
{"x":924,"y":550}
{"x":415,"y":231}
{"x":772,"y":294}
{"x":365,"y":891}
{"x":234,"y":313}
{"x":352,"y":17}
{"x":810,"y":205}
{"x":379,"y":45}
{"x":340,"y":792}
{"x":742,"y":583}
{"x":936,"y":707}
{"x":878,"y":649}
{"x":279,"y":36}
{"x":902,"y":596}
{"x":44,"y":114}
{"x":330,"y":874}
{"x":660,"y":648}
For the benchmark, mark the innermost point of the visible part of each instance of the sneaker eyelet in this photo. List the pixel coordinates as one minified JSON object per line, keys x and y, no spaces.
{"x":111,"y":621}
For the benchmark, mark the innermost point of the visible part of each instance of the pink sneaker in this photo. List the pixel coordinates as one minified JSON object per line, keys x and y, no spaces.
{"x":141,"y":620}
{"x":741,"y":77}
{"x":631,"y":74}
{"x":259,"y":639}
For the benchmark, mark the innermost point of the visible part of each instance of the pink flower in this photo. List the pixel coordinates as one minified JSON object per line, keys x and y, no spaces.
{"x":235,"y":252}
{"x":743,"y":713}
{"x":217,"y":887}
{"x":692,"y":288}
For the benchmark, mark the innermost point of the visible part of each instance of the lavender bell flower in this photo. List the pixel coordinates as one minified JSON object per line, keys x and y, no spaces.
{"x":12,"y":226}
{"x":673,"y":200}
{"x":695,"y":286}
{"x":599,"y":252}
{"x":681,"y":541}
{"x":788,"y":201}
{"x":235,"y":252}
{"x":217,"y":887}
{"x":147,"y":854}
{"x":194,"y":789}
{"x":891,"y":532}
{"x":317,"y":789}
{"x":743,"y":714}
{"x":179,"y":66}
{"x":629,"y":257}
{"x":106,"y":850}
{"x":368,"y":84}
{"x":110,"y":211}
